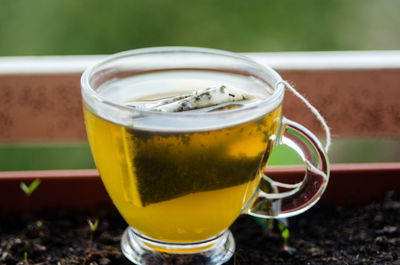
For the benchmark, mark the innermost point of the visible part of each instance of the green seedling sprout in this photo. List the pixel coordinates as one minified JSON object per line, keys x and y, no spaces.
{"x":39,"y":223}
{"x":93,"y":227}
{"x":26,"y":261}
{"x":31,"y":188}
{"x":285,"y":235}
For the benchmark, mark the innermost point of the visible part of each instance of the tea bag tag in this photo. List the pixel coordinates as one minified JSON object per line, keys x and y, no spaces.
{"x":313,"y":110}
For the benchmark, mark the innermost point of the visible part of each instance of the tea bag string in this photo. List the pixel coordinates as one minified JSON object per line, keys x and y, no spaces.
{"x":313,"y":110}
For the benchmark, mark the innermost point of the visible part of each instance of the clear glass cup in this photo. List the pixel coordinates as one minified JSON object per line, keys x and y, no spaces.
{"x":180,"y":179}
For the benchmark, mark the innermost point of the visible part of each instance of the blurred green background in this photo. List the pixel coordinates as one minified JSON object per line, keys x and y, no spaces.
{"x":77,"y":155}
{"x":80,"y":27}
{"x":71,"y":27}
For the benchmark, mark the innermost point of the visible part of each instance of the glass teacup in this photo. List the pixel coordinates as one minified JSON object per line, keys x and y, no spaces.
{"x":181,"y":178}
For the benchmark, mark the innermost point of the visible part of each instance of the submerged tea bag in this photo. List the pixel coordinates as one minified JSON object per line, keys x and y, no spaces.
{"x":168,"y":165}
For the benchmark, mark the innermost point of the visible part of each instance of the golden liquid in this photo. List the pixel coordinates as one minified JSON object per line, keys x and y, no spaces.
{"x":181,"y":186}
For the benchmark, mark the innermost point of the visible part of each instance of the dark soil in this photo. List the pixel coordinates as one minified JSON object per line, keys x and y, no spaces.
{"x":323,"y":235}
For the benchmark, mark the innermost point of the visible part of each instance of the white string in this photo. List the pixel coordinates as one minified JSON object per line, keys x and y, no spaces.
{"x":313,"y":110}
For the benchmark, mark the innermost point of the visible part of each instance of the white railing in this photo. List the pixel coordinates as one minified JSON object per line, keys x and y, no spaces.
{"x":279,"y":61}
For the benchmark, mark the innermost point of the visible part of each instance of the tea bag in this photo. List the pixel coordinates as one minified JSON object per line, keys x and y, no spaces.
{"x":168,"y":165}
{"x":171,"y":166}
{"x":216,"y":97}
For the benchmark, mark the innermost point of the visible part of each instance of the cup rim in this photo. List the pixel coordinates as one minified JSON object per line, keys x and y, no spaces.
{"x":88,"y":89}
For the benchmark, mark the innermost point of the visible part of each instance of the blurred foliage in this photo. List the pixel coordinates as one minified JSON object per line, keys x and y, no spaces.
{"x":77,"y":155}
{"x":69,"y":27}
{"x":45,"y":156}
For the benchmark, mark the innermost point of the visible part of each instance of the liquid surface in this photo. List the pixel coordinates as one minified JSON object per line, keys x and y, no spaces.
{"x":160,"y":85}
{"x":153,"y":88}
{"x":181,"y":186}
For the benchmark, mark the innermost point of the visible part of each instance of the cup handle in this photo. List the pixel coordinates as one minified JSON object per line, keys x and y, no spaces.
{"x":301,"y":196}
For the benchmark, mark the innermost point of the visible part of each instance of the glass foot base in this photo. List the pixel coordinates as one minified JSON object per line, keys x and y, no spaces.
{"x":142,"y":250}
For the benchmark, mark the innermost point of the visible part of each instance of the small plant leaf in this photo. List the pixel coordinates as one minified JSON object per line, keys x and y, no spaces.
{"x":24,"y":188}
{"x":39,"y":223}
{"x":34,"y":185}
{"x":285,"y":233}
{"x":31,"y":188}
{"x":96,"y":223}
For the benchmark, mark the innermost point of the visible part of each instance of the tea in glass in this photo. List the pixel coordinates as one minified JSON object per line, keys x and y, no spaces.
{"x":181,"y":137}
{"x":183,"y":184}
